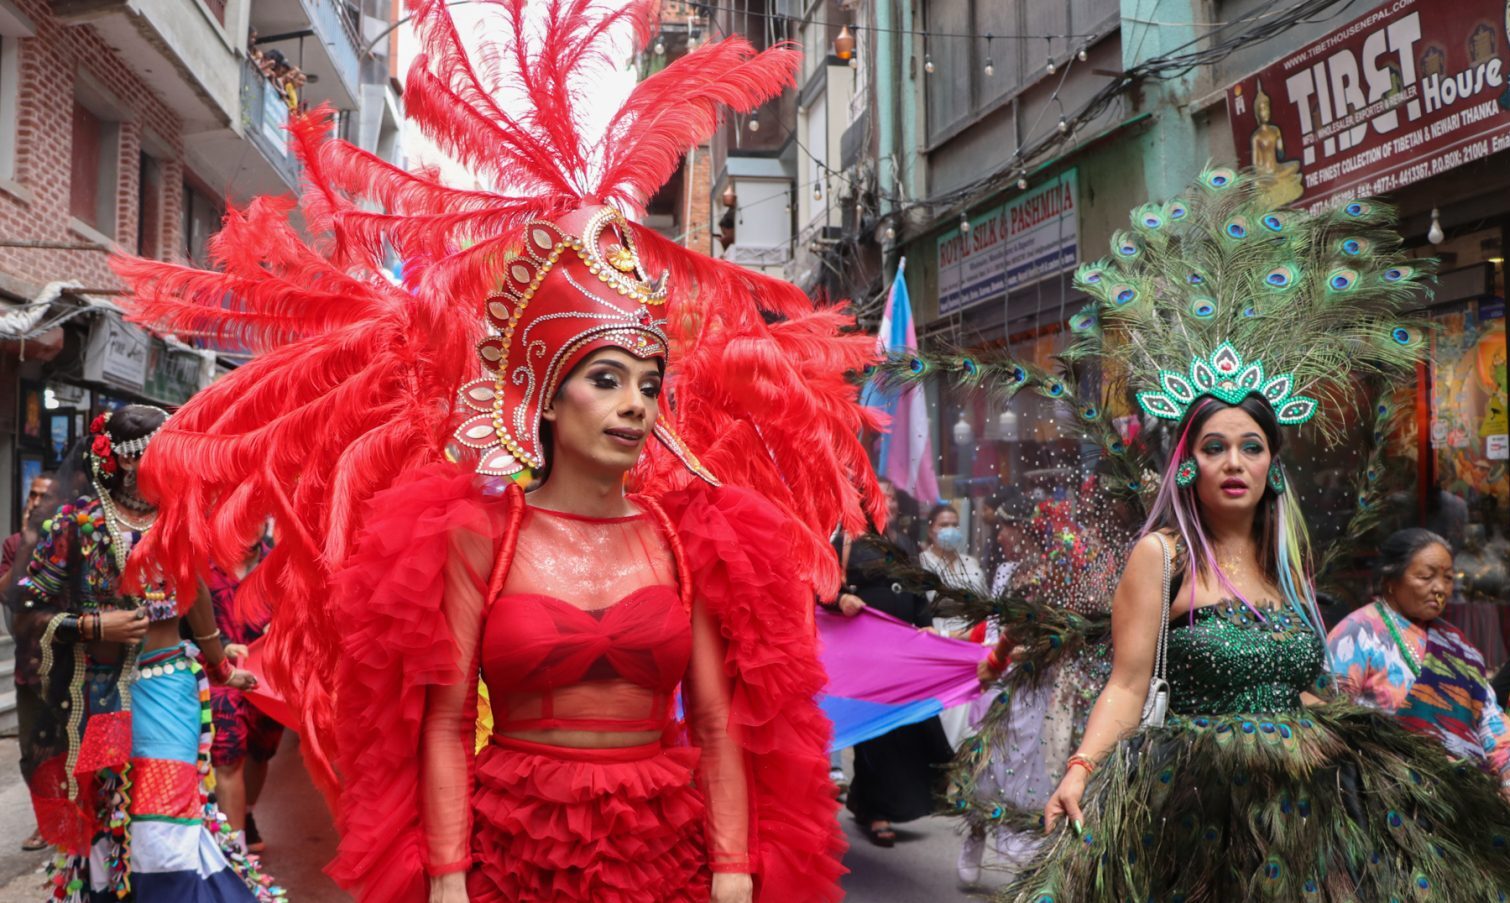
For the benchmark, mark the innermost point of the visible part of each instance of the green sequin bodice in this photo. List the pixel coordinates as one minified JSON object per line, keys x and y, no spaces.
{"x":1229,"y":662}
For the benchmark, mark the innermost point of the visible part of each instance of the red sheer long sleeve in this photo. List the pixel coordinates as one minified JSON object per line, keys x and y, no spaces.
{"x":722,"y":770}
{"x":447,"y":734}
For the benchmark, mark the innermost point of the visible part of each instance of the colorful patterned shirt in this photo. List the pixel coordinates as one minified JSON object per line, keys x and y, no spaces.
{"x":1451,"y":698}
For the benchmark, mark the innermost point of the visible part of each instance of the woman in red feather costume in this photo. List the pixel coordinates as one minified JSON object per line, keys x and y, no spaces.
{"x":564,"y":345}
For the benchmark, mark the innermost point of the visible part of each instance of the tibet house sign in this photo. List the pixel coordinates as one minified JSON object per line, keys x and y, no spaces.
{"x":1409,"y":90}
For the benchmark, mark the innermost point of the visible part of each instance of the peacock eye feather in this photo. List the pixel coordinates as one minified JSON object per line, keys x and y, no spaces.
{"x":1176,"y":211}
{"x":1354,"y":247}
{"x":1273,"y":222}
{"x":1340,"y":280}
{"x":969,"y":366}
{"x":1281,"y":277}
{"x":1357,"y":209}
{"x":1202,"y":308}
{"x":1250,"y":311}
{"x":1219,"y":178}
{"x":1398,"y":274}
{"x":1123,"y":295}
{"x":1237,"y":228}
{"x":917,"y":365}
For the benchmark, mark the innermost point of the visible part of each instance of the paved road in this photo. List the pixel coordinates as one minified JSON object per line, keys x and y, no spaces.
{"x":300,"y":840}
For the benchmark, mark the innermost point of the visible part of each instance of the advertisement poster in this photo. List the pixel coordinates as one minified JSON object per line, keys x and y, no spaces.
{"x":1032,"y":236}
{"x":1408,"y":90}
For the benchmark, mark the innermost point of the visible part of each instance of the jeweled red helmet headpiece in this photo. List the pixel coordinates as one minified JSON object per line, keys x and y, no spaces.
{"x":572,"y":287}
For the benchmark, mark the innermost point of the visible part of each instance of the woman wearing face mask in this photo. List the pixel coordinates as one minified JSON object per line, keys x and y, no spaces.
{"x":946,"y":558}
{"x":1400,"y":655}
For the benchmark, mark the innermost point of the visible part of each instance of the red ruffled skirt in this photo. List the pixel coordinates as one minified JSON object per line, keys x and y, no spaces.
{"x":555,"y":825}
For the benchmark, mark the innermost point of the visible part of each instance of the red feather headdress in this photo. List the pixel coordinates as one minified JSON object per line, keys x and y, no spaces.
{"x":355,"y":380}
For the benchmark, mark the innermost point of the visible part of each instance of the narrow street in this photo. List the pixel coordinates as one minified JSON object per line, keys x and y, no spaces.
{"x":301,"y":840}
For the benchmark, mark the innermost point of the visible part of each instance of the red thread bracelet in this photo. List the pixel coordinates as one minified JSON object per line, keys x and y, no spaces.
{"x":220,"y":672}
{"x":1082,"y":761}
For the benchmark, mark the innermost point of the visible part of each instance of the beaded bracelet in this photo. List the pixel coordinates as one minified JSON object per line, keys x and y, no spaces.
{"x":1082,"y":761}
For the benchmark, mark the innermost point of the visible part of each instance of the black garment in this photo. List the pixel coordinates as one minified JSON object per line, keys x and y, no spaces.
{"x":1501,"y":684}
{"x":899,"y":776}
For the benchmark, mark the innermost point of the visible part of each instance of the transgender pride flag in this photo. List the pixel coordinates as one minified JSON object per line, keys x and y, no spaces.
{"x":883,"y":674}
{"x":906,"y":456}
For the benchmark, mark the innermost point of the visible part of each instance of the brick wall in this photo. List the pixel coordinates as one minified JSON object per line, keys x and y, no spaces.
{"x":698,"y":183}
{"x":37,"y":209}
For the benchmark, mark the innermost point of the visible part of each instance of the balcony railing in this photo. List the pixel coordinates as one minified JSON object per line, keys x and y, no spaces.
{"x":264,"y":120}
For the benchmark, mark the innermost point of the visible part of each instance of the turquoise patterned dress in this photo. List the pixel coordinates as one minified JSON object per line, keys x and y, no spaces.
{"x":1246,"y":794}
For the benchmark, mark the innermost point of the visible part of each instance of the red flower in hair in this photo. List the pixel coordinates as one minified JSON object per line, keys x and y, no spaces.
{"x":97,"y":425}
{"x":101,"y":446}
{"x":108,"y":465}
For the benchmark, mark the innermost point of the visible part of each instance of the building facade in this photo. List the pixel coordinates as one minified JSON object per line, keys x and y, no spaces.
{"x":128,"y":127}
{"x":995,"y":146}
{"x":1015,"y":138}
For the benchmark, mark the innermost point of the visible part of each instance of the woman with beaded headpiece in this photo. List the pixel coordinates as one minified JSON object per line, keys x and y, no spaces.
{"x":1209,"y":768}
{"x":686,"y":432}
{"x":122,"y":790}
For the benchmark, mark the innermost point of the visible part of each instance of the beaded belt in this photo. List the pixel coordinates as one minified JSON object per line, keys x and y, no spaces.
{"x":160,"y":662}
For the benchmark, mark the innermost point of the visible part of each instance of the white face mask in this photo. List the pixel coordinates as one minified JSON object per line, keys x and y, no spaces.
{"x":951,"y":538}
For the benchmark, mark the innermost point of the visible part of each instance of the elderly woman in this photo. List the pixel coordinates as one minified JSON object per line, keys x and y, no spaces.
{"x":1400,"y":655}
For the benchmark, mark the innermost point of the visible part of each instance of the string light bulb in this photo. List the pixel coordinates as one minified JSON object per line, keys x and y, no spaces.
{"x":755,"y":121}
{"x":1064,"y":126}
{"x":928,"y":66}
{"x":990,"y":64}
{"x":1051,"y":68}
{"x":1022,"y":183}
{"x":1082,"y":56}
{"x":964,"y":223}
{"x":1435,"y":235}
{"x":817,"y":191}
{"x":660,"y":48}
{"x":844,"y":44}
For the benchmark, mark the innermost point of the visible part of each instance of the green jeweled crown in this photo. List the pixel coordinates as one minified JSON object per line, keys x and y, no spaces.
{"x":1224,"y":376}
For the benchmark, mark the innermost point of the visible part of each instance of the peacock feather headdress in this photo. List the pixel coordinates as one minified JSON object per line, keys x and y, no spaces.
{"x":1217,"y":293}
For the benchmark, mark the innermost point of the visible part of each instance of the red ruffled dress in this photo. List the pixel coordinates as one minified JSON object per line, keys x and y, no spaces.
{"x":582,"y":625}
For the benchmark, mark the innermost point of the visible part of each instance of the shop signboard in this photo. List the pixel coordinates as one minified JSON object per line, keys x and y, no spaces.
{"x":173,"y":374}
{"x":1408,"y":90}
{"x":1032,"y":236}
{"x":117,"y":353}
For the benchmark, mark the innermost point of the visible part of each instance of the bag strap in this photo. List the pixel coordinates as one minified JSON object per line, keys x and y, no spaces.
{"x":1160,"y":662}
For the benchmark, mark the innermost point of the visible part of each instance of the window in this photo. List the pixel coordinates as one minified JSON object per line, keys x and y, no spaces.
{"x":10,"y":89}
{"x":201,"y":217}
{"x":92,"y":183}
{"x":149,"y":220}
{"x":959,"y":88}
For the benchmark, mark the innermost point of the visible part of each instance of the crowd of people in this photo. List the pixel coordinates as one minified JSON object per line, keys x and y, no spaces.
{"x":531,"y":545}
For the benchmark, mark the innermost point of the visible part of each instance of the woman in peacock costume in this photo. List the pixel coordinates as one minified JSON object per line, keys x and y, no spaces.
{"x":1235,"y":321}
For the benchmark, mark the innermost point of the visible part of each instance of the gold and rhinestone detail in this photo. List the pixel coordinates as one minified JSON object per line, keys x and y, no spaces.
{"x":503,"y":454}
